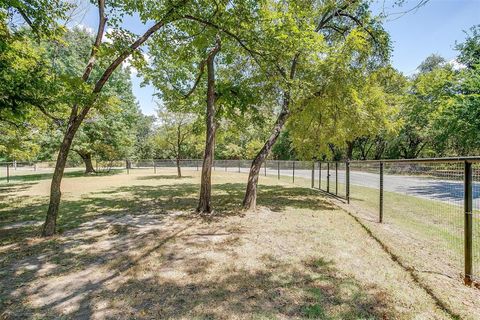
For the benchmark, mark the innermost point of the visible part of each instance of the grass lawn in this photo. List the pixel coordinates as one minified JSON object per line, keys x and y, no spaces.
{"x":130,"y":246}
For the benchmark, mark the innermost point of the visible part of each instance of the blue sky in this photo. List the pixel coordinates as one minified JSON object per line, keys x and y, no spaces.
{"x":432,"y":28}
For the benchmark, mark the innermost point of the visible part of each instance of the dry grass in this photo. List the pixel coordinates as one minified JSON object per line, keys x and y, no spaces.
{"x":131,"y":247}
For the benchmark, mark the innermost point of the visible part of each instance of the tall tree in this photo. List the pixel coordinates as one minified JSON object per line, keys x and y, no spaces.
{"x":205,"y":199}
{"x":428,"y":91}
{"x":123,"y":45}
{"x":108,"y":132}
{"x":175,"y":132}
{"x":456,"y":124}
{"x":318,"y":28}
{"x":230,"y":80}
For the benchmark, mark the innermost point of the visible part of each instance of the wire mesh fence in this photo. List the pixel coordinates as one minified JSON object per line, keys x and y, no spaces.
{"x":425,"y":202}
{"x":420,"y":203}
{"x":424,"y":209}
{"x":365,"y":188}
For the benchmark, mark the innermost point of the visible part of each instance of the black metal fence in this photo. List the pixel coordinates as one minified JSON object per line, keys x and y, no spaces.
{"x":428,"y":209}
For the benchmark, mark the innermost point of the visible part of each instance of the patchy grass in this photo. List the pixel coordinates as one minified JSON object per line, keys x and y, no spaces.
{"x":130,"y":246}
{"x":430,"y":227}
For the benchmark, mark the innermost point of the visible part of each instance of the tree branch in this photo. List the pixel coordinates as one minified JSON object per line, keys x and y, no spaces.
{"x":58,"y":121}
{"x":227,"y":32}
{"x":197,"y":81}
{"x":16,"y":125}
{"x":98,"y":40}
{"x":125,"y":54}
{"x":327,"y":18}
{"x":358,"y":22}
{"x":25,"y":17}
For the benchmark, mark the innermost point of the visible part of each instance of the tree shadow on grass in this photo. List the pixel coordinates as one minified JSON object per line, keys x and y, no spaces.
{"x":313,"y":289}
{"x":156,"y":200}
{"x":311,"y":293}
{"x":34,"y":177}
{"x":81,"y":220}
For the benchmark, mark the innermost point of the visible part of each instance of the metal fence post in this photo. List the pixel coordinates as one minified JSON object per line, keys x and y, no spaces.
{"x":381,"y":194}
{"x":328,"y":177}
{"x":468,"y":206}
{"x":313,"y":174}
{"x":319,"y":175}
{"x":347,"y":180}
{"x":293,"y":172}
{"x":8,"y":172}
{"x":278,"y":169}
{"x":336,"y":178}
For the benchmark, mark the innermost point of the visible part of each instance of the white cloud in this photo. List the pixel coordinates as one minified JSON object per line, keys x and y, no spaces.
{"x":108,"y":35}
{"x":83,"y":27}
{"x":456,"y":65}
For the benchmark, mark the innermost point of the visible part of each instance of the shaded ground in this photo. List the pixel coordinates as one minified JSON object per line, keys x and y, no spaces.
{"x":130,"y":247}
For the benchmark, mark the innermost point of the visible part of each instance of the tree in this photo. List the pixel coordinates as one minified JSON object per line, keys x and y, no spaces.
{"x":108,"y":130}
{"x":371,"y":139}
{"x":174,"y":134}
{"x":89,"y":93}
{"x":231,"y":83}
{"x":144,"y":147}
{"x":204,"y":202}
{"x":469,"y":50}
{"x":427,"y":93}
{"x":431,"y":63}
{"x":314,"y":31}
{"x":283,"y":148}
{"x":29,"y":92}
{"x":456,"y":125}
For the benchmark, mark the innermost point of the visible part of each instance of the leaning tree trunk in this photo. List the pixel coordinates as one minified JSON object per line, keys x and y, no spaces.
{"x":250,"y":199}
{"x":76,"y":119}
{"x":49,"y":228}
{"x":204,"y":203}
{"x":87,"y":160}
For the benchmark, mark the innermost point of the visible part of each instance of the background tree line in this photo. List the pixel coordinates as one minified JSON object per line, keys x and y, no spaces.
{"x":432,"y":113}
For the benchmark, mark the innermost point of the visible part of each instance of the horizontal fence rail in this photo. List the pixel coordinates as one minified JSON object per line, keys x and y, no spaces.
{"x":429,"y":207}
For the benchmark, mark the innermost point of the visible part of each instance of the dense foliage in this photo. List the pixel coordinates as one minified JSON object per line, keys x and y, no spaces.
{"x":363,"y":112}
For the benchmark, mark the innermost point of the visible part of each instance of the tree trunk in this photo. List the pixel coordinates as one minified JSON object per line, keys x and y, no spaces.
{"x":350,"y":147}
{"x":49,"y":228}
{"x":179,"y":170}
{"x":204,"y":203}
{"x":75,"y":120}
{"x":179,"y":138}
{"x":250,"y":199}
{"x":87,"y":159}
